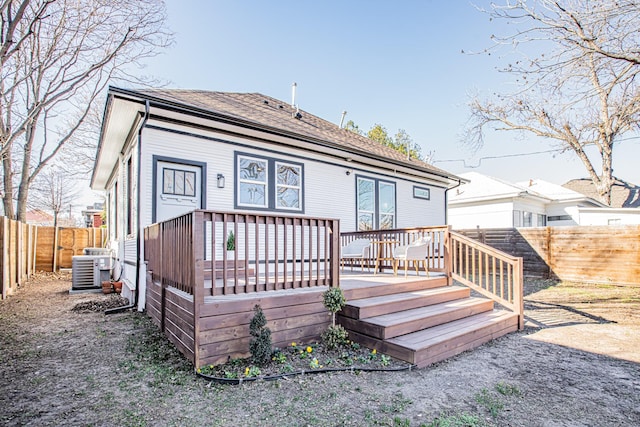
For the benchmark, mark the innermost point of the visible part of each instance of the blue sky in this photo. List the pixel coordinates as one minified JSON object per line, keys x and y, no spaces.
{"x":398,"y":63}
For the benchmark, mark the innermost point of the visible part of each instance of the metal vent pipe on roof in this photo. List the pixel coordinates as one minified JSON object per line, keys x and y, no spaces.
{"x":293,"y":94}
{"x":344,"y":113}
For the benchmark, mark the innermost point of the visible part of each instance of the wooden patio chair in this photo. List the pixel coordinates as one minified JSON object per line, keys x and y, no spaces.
{"x":359,"y":249}
{"x":415,"y":252}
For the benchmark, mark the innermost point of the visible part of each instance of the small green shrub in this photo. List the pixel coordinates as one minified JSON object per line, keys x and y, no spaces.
{"x":231,"y":241}
{"x":260,"y":344}
{"x":335,"y":336}
{"x":333,"y":299}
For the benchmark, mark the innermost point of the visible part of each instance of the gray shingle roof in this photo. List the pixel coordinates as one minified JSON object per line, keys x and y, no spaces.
{"x":623,"y":194}
{"x":278,"y":115}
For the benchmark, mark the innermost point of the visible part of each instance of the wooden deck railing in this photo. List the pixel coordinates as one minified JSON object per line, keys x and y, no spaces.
{"x":436,"y":255}
{"x":488,"y":271}
{"x":169,"y":253}
{"x":271,"y":252}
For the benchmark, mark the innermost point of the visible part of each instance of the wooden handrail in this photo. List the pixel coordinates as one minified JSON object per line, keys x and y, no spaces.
{"x":488,"y":271}
{"x":436,"y":254}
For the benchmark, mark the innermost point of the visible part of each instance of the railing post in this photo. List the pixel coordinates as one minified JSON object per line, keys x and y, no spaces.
{"x":518,"y":291}
{"x":197,"y":253}
{"x":335,"y":254}
{"x":447,"y":255}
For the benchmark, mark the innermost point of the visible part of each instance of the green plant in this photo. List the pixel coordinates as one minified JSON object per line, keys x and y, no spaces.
{"x":335,"y":336}
{"x":507,"y":389}
{"x":279,"y":357}
{"x":456,"y":420}
{"x":260,"y":344}
{"x":231,"y":241}
{"x":492,"y":403}
{"x":286,"y":369}
{"x":385,"y":360}
{"x":333,"y":299}
{"x":252,"y":371}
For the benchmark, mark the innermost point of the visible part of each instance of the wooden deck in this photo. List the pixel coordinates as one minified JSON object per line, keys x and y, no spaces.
{"x":203,"y":297}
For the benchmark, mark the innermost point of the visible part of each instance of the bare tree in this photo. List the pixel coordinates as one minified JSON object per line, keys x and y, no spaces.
{"x":581,"y":89}
{"x":68,"y":52}
{"x":53,"y":190}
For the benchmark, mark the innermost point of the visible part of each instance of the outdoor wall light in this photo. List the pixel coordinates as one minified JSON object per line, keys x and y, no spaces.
{"x":220,"y":180}
{"x":348,"y":172}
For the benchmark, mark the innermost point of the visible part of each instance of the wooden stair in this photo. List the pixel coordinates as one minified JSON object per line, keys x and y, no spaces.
{"x":423,"y":324}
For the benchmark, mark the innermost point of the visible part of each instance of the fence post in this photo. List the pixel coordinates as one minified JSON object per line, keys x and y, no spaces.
{"x":4,"y":256}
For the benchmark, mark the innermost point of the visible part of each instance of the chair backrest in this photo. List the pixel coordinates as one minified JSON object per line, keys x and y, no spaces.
{"x":421,"y":241}
{"x":418,"y":249}
{"x":357,"y":247}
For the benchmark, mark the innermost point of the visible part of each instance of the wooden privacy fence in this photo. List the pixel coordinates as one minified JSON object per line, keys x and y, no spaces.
{"x":18,"y":254}
{"x":27,"y":248}
{"x":56,"y":246}
{"x":593,"y":254}
{"x":488,"y":271}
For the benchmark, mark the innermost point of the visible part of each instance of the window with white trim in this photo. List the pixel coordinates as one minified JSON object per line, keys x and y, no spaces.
{"x":270,"y":184}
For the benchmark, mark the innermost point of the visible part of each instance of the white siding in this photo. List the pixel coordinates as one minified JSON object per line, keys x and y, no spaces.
{"x":609,"y":216}
{"x":489,"y":215}
{"x":328,"y":190}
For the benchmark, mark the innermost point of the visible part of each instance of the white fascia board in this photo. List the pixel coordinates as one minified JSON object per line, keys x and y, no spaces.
{"x":498,"y":197}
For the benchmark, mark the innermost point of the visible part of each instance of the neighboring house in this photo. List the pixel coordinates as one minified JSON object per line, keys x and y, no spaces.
{"x":39,"y":217}
{"x":623,"y":194}
{"x":489,"y":202}
{"x":92,"y":216}
{"x":163,"y":153}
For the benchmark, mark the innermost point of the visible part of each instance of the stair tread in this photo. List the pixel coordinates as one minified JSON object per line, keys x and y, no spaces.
{"x":391,"y":319}
{"x":432,"y":336}
{"x":404,"y":296}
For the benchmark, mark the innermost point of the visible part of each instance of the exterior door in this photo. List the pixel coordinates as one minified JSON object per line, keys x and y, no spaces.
{"x":178,"y":189}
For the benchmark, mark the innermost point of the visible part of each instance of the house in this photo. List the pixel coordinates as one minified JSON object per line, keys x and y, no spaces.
{"x":217,"y":202}
{"x":166,"y":152}
{"x":39,"y":217}
{"x":623,"y":194}
{"x":92,"y":215}
{"x":488,"y":202}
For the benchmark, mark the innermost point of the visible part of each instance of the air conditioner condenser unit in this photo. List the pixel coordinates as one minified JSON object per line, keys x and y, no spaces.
{"x":89,"y":271}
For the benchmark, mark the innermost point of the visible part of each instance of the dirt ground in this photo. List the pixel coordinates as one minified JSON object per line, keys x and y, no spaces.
{"x":577,"y":363}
